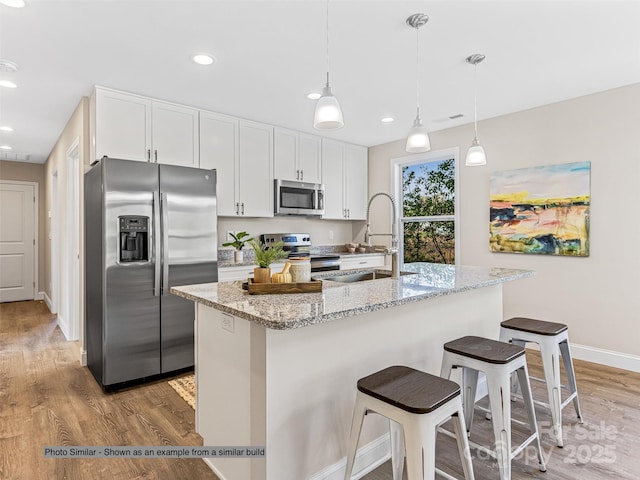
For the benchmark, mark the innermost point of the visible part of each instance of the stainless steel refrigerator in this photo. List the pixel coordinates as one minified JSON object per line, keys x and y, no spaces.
{"x":148,"y":227}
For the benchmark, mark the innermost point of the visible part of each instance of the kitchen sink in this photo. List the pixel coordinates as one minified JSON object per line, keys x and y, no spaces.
{"x":363,"y":276}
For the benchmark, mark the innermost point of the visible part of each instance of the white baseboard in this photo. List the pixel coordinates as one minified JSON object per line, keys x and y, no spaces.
{"x":39,"y":296}
{"x":62,"y":323}
{"x":610,"y":358}
{"x":368,"y":458}
{"x":213,"y":468}
{"x":83,"y":358}
{"x":48,"y":301}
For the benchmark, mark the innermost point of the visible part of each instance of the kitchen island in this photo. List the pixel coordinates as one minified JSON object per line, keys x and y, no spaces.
{"x":280,"y":371}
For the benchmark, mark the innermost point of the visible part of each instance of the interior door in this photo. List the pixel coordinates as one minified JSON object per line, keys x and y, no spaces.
{"x":17,"y":241}
{"x":189,"y":255}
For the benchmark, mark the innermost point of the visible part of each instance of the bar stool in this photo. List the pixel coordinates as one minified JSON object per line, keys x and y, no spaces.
{"x":419,"y":403}
{"x":498,"y":360}
{"x":553,"y":339}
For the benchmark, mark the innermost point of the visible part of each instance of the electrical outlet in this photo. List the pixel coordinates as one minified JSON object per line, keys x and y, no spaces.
{"x":228,"y":323}
{"x":330,"y":234}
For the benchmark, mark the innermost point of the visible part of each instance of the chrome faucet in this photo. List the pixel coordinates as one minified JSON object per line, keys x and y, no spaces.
{"x":394,"y":250}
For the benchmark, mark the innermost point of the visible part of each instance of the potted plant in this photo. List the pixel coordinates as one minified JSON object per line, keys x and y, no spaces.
{"x":265,"y":256}
{"x":239,"y":240}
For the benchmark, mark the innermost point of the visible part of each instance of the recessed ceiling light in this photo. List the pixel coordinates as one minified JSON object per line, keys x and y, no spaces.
{"x":5,"y":147}
{"x":7,"y":84}
{"x":203,"y":59}
{"x":387,"y":119}
{"x":6,"y":129}
{"x":13,"y":3}
{"x":314,"y":96}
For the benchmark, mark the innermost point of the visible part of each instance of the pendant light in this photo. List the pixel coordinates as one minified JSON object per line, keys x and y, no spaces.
{"x":418,"y":138}
{"x":328,"y":115}
{"x":475,"y":155}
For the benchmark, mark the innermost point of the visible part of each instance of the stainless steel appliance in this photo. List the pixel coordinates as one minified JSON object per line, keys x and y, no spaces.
{"x":299,"y":245}
{"x":298,"y":198}
{"x":148,"y":227}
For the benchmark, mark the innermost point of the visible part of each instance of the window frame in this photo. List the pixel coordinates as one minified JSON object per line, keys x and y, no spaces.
{"x":396,"y":188}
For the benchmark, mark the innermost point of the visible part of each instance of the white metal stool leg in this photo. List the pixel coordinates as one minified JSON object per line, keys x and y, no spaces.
{"x":397,"y":449}
{"x":571,"y":378}
{"x":501,"y":418}
{"x":523,"y":377}
{"x":354,"y":436}
{"x":550,"y":353}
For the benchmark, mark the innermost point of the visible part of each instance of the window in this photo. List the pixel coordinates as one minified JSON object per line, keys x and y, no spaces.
{"x":426,"y":188}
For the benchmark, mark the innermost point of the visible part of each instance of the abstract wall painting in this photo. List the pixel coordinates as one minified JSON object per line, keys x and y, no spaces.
{"x":541,"y":210}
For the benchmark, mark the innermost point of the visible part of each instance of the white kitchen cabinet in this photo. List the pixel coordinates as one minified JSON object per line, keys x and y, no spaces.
{"x":297,"y":156}
{"x":219,"y":150}
{"x":255,"y":169}
{"x":241,"y":152}
{"x":344,"y":174}
{"x":133,"y":127}
{"x":361,"y":261}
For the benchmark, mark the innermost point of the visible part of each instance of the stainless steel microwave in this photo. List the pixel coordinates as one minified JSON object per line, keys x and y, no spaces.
{"x":298,"y":198}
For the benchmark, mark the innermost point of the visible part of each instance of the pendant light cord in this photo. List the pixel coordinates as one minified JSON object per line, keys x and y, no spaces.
{"x":417,"y":76}
{"x":475,"y":100}
{"x":327,"y":30}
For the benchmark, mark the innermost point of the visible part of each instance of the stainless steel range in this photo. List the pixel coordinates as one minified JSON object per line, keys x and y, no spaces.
{"x":299,"y":245}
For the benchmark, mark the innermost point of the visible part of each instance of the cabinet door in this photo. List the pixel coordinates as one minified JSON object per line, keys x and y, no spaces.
{"x":123,"y":126}
{"x":332,"y":177}
{"x":285,"y":151}
{"x":356,"y":182}
{"x":309,"y":158}
{"x":369,"y":261}
{"x":219,"y":150}
{"x":175,"y":135}
{"x":255,"y":169}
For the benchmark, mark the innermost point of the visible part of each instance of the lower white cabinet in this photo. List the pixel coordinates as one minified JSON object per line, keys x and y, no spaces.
{"x":361,"y":261}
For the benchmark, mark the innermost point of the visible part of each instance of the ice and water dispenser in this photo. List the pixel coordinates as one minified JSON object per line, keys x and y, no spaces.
{"x":134,"y":239}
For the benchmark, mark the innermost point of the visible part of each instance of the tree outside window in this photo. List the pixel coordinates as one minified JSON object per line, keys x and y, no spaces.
{"x":428,"y":211}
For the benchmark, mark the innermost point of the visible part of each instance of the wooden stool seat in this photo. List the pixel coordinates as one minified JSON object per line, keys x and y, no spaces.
{"x":411,"y":390}
{"x":416,"y":404}
{"x":530,"y":325}
{"x":484,"y":349}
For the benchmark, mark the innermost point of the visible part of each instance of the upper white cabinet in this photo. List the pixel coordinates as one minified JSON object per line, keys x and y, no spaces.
{"x":297,"y":156}
{"x":255,"y":149}
{"x":219,"y":150}
{"x":137,"y":128}
{"x":344,"y":174}
{"x":241,"y":152}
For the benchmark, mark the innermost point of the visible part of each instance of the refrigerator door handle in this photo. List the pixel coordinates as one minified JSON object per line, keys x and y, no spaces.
{"x":165,"y":244}
{"x":156,"y":244}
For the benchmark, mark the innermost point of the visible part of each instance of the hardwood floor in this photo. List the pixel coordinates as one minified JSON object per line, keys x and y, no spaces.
{"x":46,"y":398}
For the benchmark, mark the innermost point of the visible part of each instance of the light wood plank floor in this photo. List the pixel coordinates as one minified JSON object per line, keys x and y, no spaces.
{"x":46,"y":398}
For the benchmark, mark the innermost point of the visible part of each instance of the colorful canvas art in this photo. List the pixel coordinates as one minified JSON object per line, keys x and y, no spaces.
{"x":541,"y":210}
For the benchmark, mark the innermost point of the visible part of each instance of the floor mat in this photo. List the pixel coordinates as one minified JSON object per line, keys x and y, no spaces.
{"x":186,"y":388}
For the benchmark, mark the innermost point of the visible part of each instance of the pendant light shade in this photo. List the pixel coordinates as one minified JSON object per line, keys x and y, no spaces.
{"x":475,"y":155}
{"x":418,"y":138}
{"x":328,"y":115}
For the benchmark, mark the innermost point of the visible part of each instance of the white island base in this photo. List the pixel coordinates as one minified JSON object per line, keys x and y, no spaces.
{"x":293,"y":391}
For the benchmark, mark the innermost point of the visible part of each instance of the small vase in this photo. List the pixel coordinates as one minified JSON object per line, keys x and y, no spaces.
{"x":261,"y":275}
{"x":238,"y":256}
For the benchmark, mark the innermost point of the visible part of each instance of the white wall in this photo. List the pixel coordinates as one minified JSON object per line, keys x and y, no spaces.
{"x":343,"y":231}
{"x":599,"y":296}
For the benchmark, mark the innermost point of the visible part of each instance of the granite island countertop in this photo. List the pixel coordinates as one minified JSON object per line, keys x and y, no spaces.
{"x":338,"y":300}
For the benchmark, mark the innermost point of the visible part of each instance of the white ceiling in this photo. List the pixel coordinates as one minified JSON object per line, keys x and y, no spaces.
{"x":272,"y":53}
